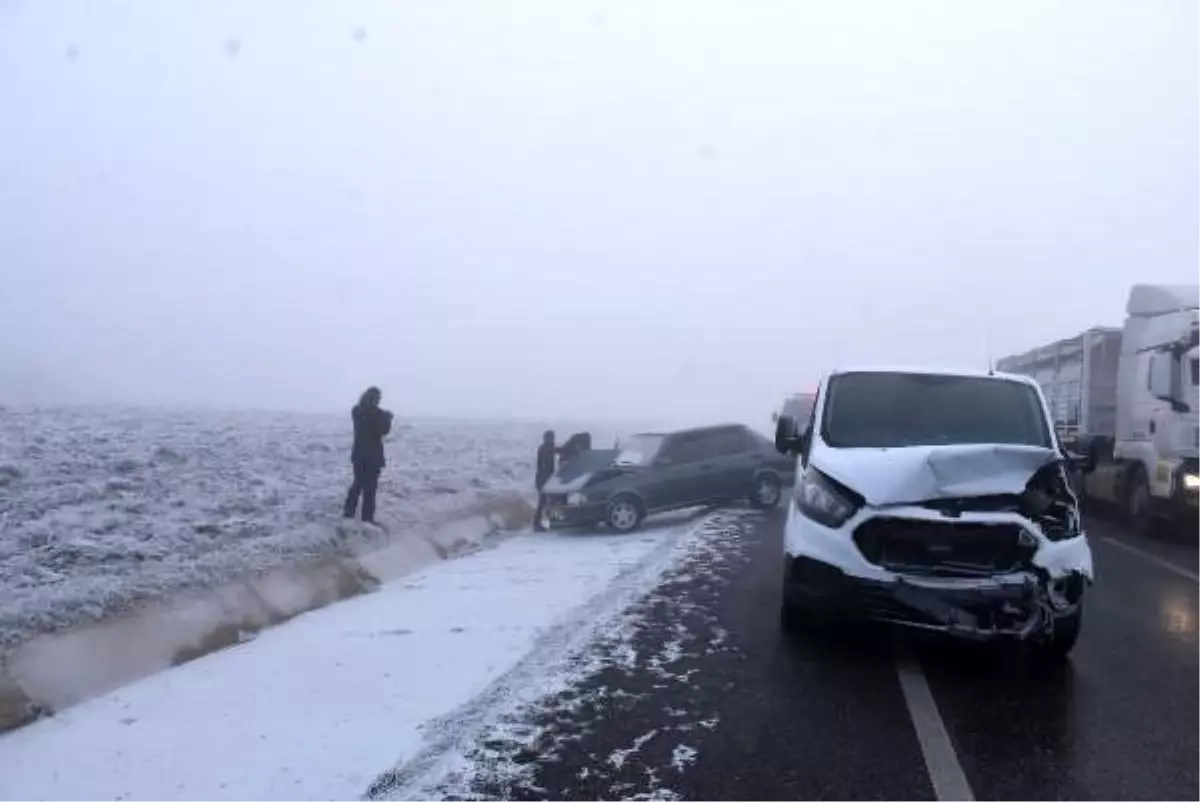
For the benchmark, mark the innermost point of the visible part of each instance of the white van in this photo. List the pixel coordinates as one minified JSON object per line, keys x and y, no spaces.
{"x":937,"y":500}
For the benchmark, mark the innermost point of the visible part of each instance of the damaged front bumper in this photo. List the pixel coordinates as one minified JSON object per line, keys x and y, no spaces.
{"x":1016,"y":606}
{"x":825,"y":569}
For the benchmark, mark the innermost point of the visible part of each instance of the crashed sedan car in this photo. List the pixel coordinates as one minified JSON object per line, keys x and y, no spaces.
{"x":653,"y":473}
{"x":938,"y":501}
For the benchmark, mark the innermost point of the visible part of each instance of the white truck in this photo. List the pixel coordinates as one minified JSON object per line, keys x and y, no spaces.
{"x":1127,"y":399}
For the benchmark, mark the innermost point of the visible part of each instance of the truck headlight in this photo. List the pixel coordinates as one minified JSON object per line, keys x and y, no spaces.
{"x":818,"y":497}
{"x":1191,"y":481}
{"x":576,"y":499}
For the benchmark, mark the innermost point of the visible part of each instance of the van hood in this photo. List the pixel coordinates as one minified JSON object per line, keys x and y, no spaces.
{"x":914,"y":474}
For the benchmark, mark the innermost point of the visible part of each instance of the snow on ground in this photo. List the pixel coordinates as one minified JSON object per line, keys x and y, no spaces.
{"x":319,"y":707}
{"x":101,"y":508}
{"x":653,"y":641}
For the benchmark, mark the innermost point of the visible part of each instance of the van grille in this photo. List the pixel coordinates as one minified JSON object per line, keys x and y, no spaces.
{"x":932,"y":547}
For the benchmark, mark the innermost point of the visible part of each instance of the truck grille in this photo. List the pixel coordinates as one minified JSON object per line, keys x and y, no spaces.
{"x":932,"y":547}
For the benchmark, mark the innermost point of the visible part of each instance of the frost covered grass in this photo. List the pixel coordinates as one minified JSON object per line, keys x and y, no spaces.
{"x":103,"y":508}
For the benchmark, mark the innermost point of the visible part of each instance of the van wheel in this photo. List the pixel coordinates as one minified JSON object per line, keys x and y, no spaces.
{"x":792,"y":617}
{"x":1139,"y":513}
{"x":625,"y":513}
{"x":1062,"y":640}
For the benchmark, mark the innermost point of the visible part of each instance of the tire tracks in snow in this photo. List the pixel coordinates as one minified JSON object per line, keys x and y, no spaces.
{"x":556,"y":660}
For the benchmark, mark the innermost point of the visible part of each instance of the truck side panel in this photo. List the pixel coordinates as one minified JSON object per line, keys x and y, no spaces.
{"x":1100,"y":395}
{"x":1078,"y":376}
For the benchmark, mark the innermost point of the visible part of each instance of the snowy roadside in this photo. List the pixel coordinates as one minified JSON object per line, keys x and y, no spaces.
{"x":539,"y":713}
{"x":104,"y":509}
{"x":320,"y":706}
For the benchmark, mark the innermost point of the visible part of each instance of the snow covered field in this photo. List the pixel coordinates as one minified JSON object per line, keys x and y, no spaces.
{"x":394,"y":686}
{"x":102,"y":508}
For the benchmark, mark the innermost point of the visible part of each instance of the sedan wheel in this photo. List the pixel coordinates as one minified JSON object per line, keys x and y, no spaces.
{"x":624,"y":514}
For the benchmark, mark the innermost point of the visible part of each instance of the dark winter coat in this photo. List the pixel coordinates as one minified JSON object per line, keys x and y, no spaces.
{"x":576,"y":444}
{"x":371,"y":424}
{"x":545,"y":464}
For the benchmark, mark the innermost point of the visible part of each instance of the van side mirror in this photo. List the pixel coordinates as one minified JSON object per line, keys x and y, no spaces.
{"x":788,"y":440}
{"x":785,"y":431}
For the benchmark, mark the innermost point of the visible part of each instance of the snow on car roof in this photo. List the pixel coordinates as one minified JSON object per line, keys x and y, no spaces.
{"x":714,"y":427}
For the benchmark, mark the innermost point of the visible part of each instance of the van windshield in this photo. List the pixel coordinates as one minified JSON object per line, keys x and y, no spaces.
{"x":880,"y":410}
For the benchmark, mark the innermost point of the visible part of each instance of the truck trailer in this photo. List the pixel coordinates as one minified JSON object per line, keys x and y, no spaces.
{"x":1127,"y":399}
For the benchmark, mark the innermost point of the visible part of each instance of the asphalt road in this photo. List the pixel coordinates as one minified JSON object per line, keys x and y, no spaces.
{"x":703,"y":697}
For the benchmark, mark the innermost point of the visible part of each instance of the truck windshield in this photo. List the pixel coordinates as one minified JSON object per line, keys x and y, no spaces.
{"x":881,"y":410}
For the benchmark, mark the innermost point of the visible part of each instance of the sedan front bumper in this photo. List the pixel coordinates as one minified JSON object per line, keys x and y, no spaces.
{"x":562,"y":516}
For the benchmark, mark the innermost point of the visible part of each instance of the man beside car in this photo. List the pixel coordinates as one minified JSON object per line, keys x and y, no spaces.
{"x":546,"y":454}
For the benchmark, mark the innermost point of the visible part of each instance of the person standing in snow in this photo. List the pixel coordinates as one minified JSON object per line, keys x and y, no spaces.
{"x":546,"y":453}
{"x":371,"y":425}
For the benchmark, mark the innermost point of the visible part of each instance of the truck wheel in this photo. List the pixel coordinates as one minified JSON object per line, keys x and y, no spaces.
{"x":767,"y":491}
{"x":625,"y":513}
{"x":1139,"y":513}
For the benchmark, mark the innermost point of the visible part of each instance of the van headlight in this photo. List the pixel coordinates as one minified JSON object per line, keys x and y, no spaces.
{"x":577,"y":499}
{"x":1191,"y":481}
{"x":820,"y":498}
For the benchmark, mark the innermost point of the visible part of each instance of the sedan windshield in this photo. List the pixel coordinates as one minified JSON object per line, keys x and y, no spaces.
{"x":882,"y":410}
{"x":639,"y":449}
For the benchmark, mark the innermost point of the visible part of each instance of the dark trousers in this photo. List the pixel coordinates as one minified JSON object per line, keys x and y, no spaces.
{"x":366,"y":482}
{"x":540,"y":511}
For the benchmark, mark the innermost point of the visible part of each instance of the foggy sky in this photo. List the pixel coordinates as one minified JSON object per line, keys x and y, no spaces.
{"x":524,"y":209}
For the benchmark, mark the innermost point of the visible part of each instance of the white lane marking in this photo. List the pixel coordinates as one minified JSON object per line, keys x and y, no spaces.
{"x":1159,"y":561}
{"x":949,"y":781}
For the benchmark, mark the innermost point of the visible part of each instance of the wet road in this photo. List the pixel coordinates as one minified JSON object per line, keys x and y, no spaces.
{"x":699,"y":695}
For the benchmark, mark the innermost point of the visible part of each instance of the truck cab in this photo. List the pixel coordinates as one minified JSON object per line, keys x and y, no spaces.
{"x":1153,"y":471}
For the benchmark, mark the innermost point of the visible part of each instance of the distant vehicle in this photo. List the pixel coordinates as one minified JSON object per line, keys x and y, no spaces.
{"x":938,"y":501}
{"x":1128,"y":398}
{"x":653,"y":473}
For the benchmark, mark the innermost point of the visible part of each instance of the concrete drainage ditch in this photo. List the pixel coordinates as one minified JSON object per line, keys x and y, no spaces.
{"x":54,"y":671}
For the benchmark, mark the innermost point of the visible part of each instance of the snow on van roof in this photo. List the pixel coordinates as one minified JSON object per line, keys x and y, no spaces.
{"x":935,"y":371}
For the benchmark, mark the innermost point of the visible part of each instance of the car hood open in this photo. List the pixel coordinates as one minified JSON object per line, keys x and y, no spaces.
{"x":915,"y":474}
{"x":574,"y":475}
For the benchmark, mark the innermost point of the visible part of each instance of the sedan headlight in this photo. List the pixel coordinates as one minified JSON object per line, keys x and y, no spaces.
{"x":1191,"y":481}
{"x":820,"y":498}
{"x":577,"y":499}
